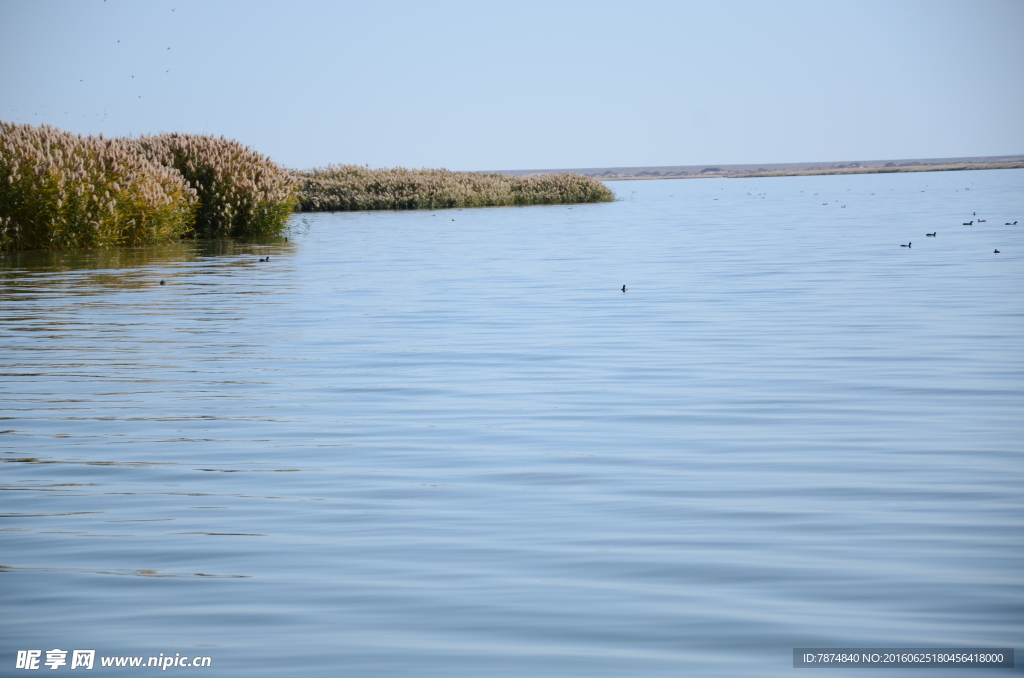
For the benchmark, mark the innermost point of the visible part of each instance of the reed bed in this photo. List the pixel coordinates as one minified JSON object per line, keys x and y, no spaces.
{"x":62,"y":191}
{"x":337,"y":188}
{"x":241,"y":192}
{"x":59,"y":190}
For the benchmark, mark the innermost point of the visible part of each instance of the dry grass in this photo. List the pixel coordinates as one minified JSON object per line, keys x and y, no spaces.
{"x":350,"y":187}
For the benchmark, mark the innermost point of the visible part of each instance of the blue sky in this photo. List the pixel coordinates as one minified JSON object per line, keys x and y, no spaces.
{"x":515,"y":85}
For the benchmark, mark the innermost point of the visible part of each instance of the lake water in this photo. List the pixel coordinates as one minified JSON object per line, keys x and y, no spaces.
{"x":447,"y":444}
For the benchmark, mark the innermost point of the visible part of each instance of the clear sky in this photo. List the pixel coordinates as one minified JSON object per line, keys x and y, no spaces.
{"x":517,"y":85}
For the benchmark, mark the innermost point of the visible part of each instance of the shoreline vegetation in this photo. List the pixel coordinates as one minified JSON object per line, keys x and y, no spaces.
{"x":888,"y":170}
{"x":789,"y":169}
{"x":338,"y":188}
{"x":61,"y":191}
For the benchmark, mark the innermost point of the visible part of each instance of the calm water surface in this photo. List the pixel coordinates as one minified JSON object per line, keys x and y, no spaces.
{"x":446,"y":444}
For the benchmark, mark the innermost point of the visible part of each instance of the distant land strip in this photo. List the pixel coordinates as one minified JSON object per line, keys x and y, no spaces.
{"x":787,"y":169}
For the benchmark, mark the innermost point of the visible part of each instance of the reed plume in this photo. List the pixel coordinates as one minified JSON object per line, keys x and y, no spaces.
{"x":61,"y":191}
{"x":241,"y":192}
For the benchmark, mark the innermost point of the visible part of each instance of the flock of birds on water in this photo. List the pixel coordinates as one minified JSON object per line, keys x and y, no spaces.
{"x":966,"y":223}
{"x":909,"y":244}
{"x":935,"y":233}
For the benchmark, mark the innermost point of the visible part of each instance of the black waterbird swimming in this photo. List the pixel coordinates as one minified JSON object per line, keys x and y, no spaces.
{"x":624,"y":288}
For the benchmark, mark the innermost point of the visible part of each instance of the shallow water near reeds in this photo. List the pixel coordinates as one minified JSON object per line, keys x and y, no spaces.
{"x":446,"y":444}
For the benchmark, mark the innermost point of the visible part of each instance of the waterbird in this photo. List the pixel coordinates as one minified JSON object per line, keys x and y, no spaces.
{"x":995,"y":251}
{"x":162,"y":282}
{"x":931,"y":235}
{"x":969,"y":223}
{"x":907,"y":245}
{"x":624,"y":288}
{"x":267,"y":259}
{"x":981,"y":221}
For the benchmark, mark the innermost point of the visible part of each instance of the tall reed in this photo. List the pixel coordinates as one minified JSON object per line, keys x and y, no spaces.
{"x":60,"y":191}
{"x":351,"y":187}
{"x":241,"y":192}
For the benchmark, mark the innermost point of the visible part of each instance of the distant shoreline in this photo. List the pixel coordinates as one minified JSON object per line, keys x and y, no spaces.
{"x":787,"y":169}
{"x":854,"y":170}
